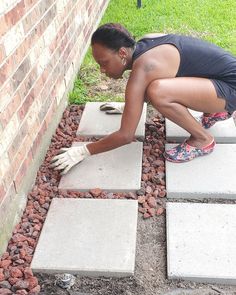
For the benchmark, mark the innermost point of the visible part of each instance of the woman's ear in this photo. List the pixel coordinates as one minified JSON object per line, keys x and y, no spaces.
{"x":123,"y":52}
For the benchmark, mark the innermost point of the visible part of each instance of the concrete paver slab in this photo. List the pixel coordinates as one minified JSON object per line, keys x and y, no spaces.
{"x":210,"y":176}
{"x":201,"y":241}
{"x":97,"y":123}
{"x":223,"y":132}
{"x":88,"y":237}
{"x":117,"y":170}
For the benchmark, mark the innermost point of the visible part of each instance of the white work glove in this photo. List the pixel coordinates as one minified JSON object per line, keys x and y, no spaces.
{"x":69,"y":157}
{"x":112,"y":108}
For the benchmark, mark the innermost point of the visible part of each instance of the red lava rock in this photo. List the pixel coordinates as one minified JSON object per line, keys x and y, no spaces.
{"x":142,"y":210}
{"x":141,"y":199}
{"x":18,"y":238}
{"x":146,"y":215}
{"x":6,"y":273}
{"x":22,"y":253}
{"x":161,"y":169}
{"x":21,"y":284}
{"x":160,"y":211}
{"x":5,"y":263}
{"x":2,"y":276}
{"x":149,"y":190}
{"x":5,"y":291}
{"x":96,"y":192}
{"x":5,"y":255}
{"x":28,"y":272}
{"x":19,"y":261}
{"x":21,"y":292}
{"x":141,"y":192}
{"x":33,"y":282}
{"x":152,"y":211}
{"x":132,"y":195}
{"x":5,"y":284}
{"x":35,"y":290}
{"x":16,"y":273}
{"x":31,"y":242}
{"x":156,"y":193}
{"x":28,"y":258}
{"x":152,"y":202}
{"x":12,"y":281}
{"x":144,"y":177}
{"x":145,"y":205}
{"x":16,"y":257}
{"x":158,"y":163}
{"x":162,"y":194}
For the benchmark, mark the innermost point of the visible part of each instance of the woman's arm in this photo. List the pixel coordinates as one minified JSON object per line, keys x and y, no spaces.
{"x":134,"y":99}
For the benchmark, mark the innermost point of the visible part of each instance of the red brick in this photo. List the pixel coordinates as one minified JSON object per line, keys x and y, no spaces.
{"x":3,"y":25}
{"x":22,"y":171}
{"x":22,"y":151}
{"x":10,"y":109}
{"x":49,"y":116}
{"x":26,"y":105}
{"x":14,"y":15}
{"x":6,"y":69}
{"x":21,"y":72}
{"x":20,"y":137}
{"x":2,"y":53}
{"x":38,"y":139}
{"x":5,"y":93}
{"x":26,"y":85}
{"x":30,"y":19}
{"x":44,"y":109}
{"x":30,"y":3}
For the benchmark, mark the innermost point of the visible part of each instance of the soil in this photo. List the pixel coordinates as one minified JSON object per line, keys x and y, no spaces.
{"x":150,"y":276}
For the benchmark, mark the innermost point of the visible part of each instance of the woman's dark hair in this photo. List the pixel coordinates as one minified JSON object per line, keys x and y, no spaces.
{"x":113,"y":36}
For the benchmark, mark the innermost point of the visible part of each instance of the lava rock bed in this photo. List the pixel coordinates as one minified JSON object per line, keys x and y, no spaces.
{"x":16,"y":276}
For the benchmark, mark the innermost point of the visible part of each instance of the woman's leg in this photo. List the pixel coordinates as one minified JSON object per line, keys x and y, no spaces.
{"x":172,"y":97}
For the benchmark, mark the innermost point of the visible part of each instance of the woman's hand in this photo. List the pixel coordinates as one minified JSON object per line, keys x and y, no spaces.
{"x":69,"y":157}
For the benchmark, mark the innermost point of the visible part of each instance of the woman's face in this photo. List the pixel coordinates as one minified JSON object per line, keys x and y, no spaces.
{"x":110,"y":61}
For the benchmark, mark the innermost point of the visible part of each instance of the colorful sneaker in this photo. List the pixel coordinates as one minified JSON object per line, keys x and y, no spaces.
{"x":208,"y":120}
{"x":184,"y":152}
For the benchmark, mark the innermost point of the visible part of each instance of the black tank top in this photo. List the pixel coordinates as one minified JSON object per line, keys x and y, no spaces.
{"x":198,"y":58}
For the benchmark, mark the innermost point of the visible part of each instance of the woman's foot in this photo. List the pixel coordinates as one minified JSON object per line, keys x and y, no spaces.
{"x":208,"y":120}
{"x":185,"y":152}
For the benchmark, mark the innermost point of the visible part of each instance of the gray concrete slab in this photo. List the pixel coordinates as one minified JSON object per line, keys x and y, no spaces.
{"x":117,"y":170}
{"x":88,"y":237}
{"x":223,"y":132}
{"x":211,"y":176}
{"x":97,"y":123}
{"x":201,"y":241}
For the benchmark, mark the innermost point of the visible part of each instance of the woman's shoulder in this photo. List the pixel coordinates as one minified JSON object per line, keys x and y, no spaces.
{"x":153,"y":35}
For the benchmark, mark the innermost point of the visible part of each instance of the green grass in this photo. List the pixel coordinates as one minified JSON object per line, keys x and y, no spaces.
{"x":214,"y":21}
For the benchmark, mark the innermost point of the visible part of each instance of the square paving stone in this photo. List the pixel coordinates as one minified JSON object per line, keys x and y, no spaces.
{"x":223,"y":132}
{"x":118,"y":170}
{"x":210,"y":176}
{"x":88,"y":237}
{"x":201,"y":241}
{"x":97,"y":123}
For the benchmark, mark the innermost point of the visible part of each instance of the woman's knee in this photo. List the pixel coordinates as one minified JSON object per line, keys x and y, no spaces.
{"x":156,"y":93}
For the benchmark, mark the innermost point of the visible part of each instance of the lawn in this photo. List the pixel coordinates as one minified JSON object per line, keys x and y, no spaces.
{"x":214,"y":21}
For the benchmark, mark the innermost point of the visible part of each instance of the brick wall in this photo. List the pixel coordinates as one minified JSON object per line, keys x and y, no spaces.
{"x":42,"y":43}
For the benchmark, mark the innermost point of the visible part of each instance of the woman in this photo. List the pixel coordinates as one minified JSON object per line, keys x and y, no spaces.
{"x":171,"y":72}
